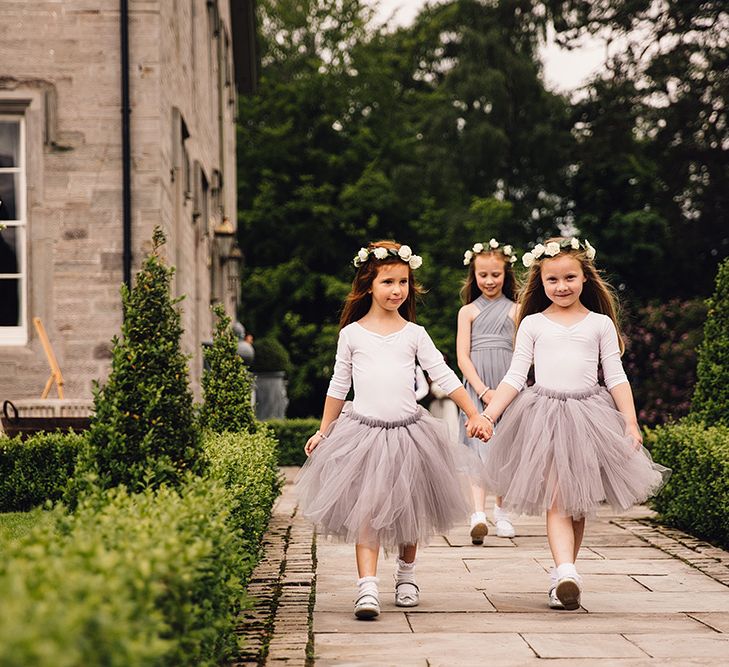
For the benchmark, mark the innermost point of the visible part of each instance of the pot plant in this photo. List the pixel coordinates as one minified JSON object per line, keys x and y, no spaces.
{"x":271,"y":365}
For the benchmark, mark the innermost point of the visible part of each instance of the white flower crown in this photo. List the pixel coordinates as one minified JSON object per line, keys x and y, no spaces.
{"x":493,"y":245}
{"x":404,"y":253}
{"x":553,"y":248}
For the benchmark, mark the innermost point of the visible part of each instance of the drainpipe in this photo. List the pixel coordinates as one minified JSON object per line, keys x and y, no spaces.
{"x":126,"y":144}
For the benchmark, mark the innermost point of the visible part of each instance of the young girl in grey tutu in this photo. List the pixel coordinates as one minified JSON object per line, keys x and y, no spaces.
{"x":380,"y":470}
{"x":484,"y":344}
{"x":566,"y":444}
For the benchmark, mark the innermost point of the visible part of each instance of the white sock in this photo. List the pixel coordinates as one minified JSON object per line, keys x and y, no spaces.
{"x":567,"y":570}
{"x":404,"y":572}
{"x":368,"y":586}
{"x":500,"y":514}
{"x":478,"y":517}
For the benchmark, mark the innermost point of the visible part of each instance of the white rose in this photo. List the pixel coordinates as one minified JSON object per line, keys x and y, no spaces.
{"x":494,"y":243}
{"x":467,"y":256}
{"x":357,"y":262}
{"x":527,"y":259}
{"x":552,"y":249}
{"x":380,"y":253}
{"x":575,"y":243}
{"x":537,"y":251}
{"x":478,"y":247}
{"x":415,"y":261}
{"x":362,"y":254}
{"x":405,"y":252}
{"x":507,"y":249}
{"x":589,"y":251}
{"x":512,"y":259}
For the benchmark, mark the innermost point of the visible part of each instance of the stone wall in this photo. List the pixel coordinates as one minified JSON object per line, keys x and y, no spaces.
{"x":62,"y":59}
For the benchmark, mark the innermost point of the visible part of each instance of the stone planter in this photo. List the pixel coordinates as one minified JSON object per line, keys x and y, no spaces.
{"x":271,"y":398}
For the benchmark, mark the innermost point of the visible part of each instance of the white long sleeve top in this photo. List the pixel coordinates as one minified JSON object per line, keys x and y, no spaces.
{"x":382,"y":369}
{"x":566,"y":358}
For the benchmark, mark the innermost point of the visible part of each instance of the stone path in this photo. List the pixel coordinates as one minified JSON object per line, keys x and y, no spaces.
{"x":652,"y":596}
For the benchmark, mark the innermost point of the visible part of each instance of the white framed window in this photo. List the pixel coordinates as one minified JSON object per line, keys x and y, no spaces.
{"x":13,"y":238}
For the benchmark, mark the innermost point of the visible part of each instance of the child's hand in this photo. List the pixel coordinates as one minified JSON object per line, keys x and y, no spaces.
{"x":479,"y":427}
{"x":486,"y":398}
{"x":313,"y":442}
{"x":635,"y":432}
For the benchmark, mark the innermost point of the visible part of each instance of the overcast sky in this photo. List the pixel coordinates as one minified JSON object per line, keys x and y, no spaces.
{"x":563,"y":70}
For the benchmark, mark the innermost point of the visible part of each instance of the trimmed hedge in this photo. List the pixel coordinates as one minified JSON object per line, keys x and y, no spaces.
{"x":696,"y":497}
{"x":292,"y":435}
{"x":247,"y":465}
{"x":154,"y":578}
{"x":37,"y":469}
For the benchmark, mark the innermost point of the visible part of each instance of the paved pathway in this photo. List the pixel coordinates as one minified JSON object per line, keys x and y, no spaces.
{"x":651,"y":597}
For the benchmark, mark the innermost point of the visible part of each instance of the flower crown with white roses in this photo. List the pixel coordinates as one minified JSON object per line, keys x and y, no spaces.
{"x":403,"y":253}
{"x":553,"y":248}
{"x":493,"y":244}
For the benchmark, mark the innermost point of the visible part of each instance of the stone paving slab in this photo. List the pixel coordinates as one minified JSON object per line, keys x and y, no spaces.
{"x":652,"y":596}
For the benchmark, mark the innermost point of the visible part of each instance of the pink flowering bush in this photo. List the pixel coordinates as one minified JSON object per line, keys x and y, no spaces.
{"x":661,"y":340}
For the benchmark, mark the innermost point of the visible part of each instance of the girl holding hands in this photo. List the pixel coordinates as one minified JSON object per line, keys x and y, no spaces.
{"x":380,"y":470}
{"x":484,"y":343}
{"x":567,"y":444}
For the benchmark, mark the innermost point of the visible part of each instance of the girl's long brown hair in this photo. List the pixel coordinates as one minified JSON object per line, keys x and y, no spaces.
{"x":359,"y":300}
{"x":471,"y":292}
{"x":597,"y":294}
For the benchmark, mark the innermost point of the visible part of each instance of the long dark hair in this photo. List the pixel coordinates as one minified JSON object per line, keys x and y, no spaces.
{"x":597,"y":294}
{"x":471,"y":292}
{"x":359,"y":300}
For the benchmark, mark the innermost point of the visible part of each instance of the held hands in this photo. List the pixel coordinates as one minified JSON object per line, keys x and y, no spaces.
{"x":479,"y":427}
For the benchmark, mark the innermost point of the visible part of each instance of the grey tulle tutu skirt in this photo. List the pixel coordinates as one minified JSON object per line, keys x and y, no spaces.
{"x":570,"y":450}
{"x":376,"y":482}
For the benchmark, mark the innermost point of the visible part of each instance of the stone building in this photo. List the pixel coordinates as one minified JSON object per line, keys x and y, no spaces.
{"x":81,"y":189}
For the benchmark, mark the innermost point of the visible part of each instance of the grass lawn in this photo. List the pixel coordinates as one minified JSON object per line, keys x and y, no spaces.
{"x":14,"y":525}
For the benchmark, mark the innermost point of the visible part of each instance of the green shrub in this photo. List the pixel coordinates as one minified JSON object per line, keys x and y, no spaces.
{"x":292,"y":435}
{"x":271,"y":356}
{"x":37,"y":469}
{"x":247,"y":465}
{"x":146,"y":579}
{"x":711,"y":398}
{"x":696,"y":497}
{"x":144,"y":431}
{"x":226,"y":383}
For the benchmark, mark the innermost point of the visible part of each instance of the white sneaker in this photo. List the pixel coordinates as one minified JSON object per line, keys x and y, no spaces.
{"x":568,"y":592}
{"x":479,"y":527}
{"x":504,"y":528}
{"x":367,"y":606}
{"x":554,"y":602}
{"x":407,"y":594}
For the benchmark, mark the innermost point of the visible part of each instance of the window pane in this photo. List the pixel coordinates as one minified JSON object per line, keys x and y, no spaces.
{"x":9,"y":250}
{"x":8,"y":188}
{"x":9,"y":302}
{"x":9,"y":143}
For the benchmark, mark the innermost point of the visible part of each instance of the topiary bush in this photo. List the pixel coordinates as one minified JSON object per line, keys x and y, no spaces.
{"x":271,"y":356}
{"x":711,"y":398}
{"x":292,"y":435}
{"x":226,"y":383}
{"x":144,"y":431}
{"x":36,"y":469}
{"x":660,"y":357}
{"x":696,"y":497}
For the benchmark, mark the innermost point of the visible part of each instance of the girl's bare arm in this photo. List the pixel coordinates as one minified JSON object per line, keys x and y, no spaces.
{"x":463,"y":350}
{"x":332,"y":410}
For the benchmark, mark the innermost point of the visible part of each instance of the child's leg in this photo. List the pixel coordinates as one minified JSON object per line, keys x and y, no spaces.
{"x":367,"y":604}
{"x":479,"y":527}
{"x":565,"y":537}
{"x":407,"y":593}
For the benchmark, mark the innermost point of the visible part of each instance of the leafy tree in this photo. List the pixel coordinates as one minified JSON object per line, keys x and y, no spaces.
{"x":226,"y":382}
{"x":711,"y":398}
{"x":433,"y":135}
{"x":143,"y":432}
